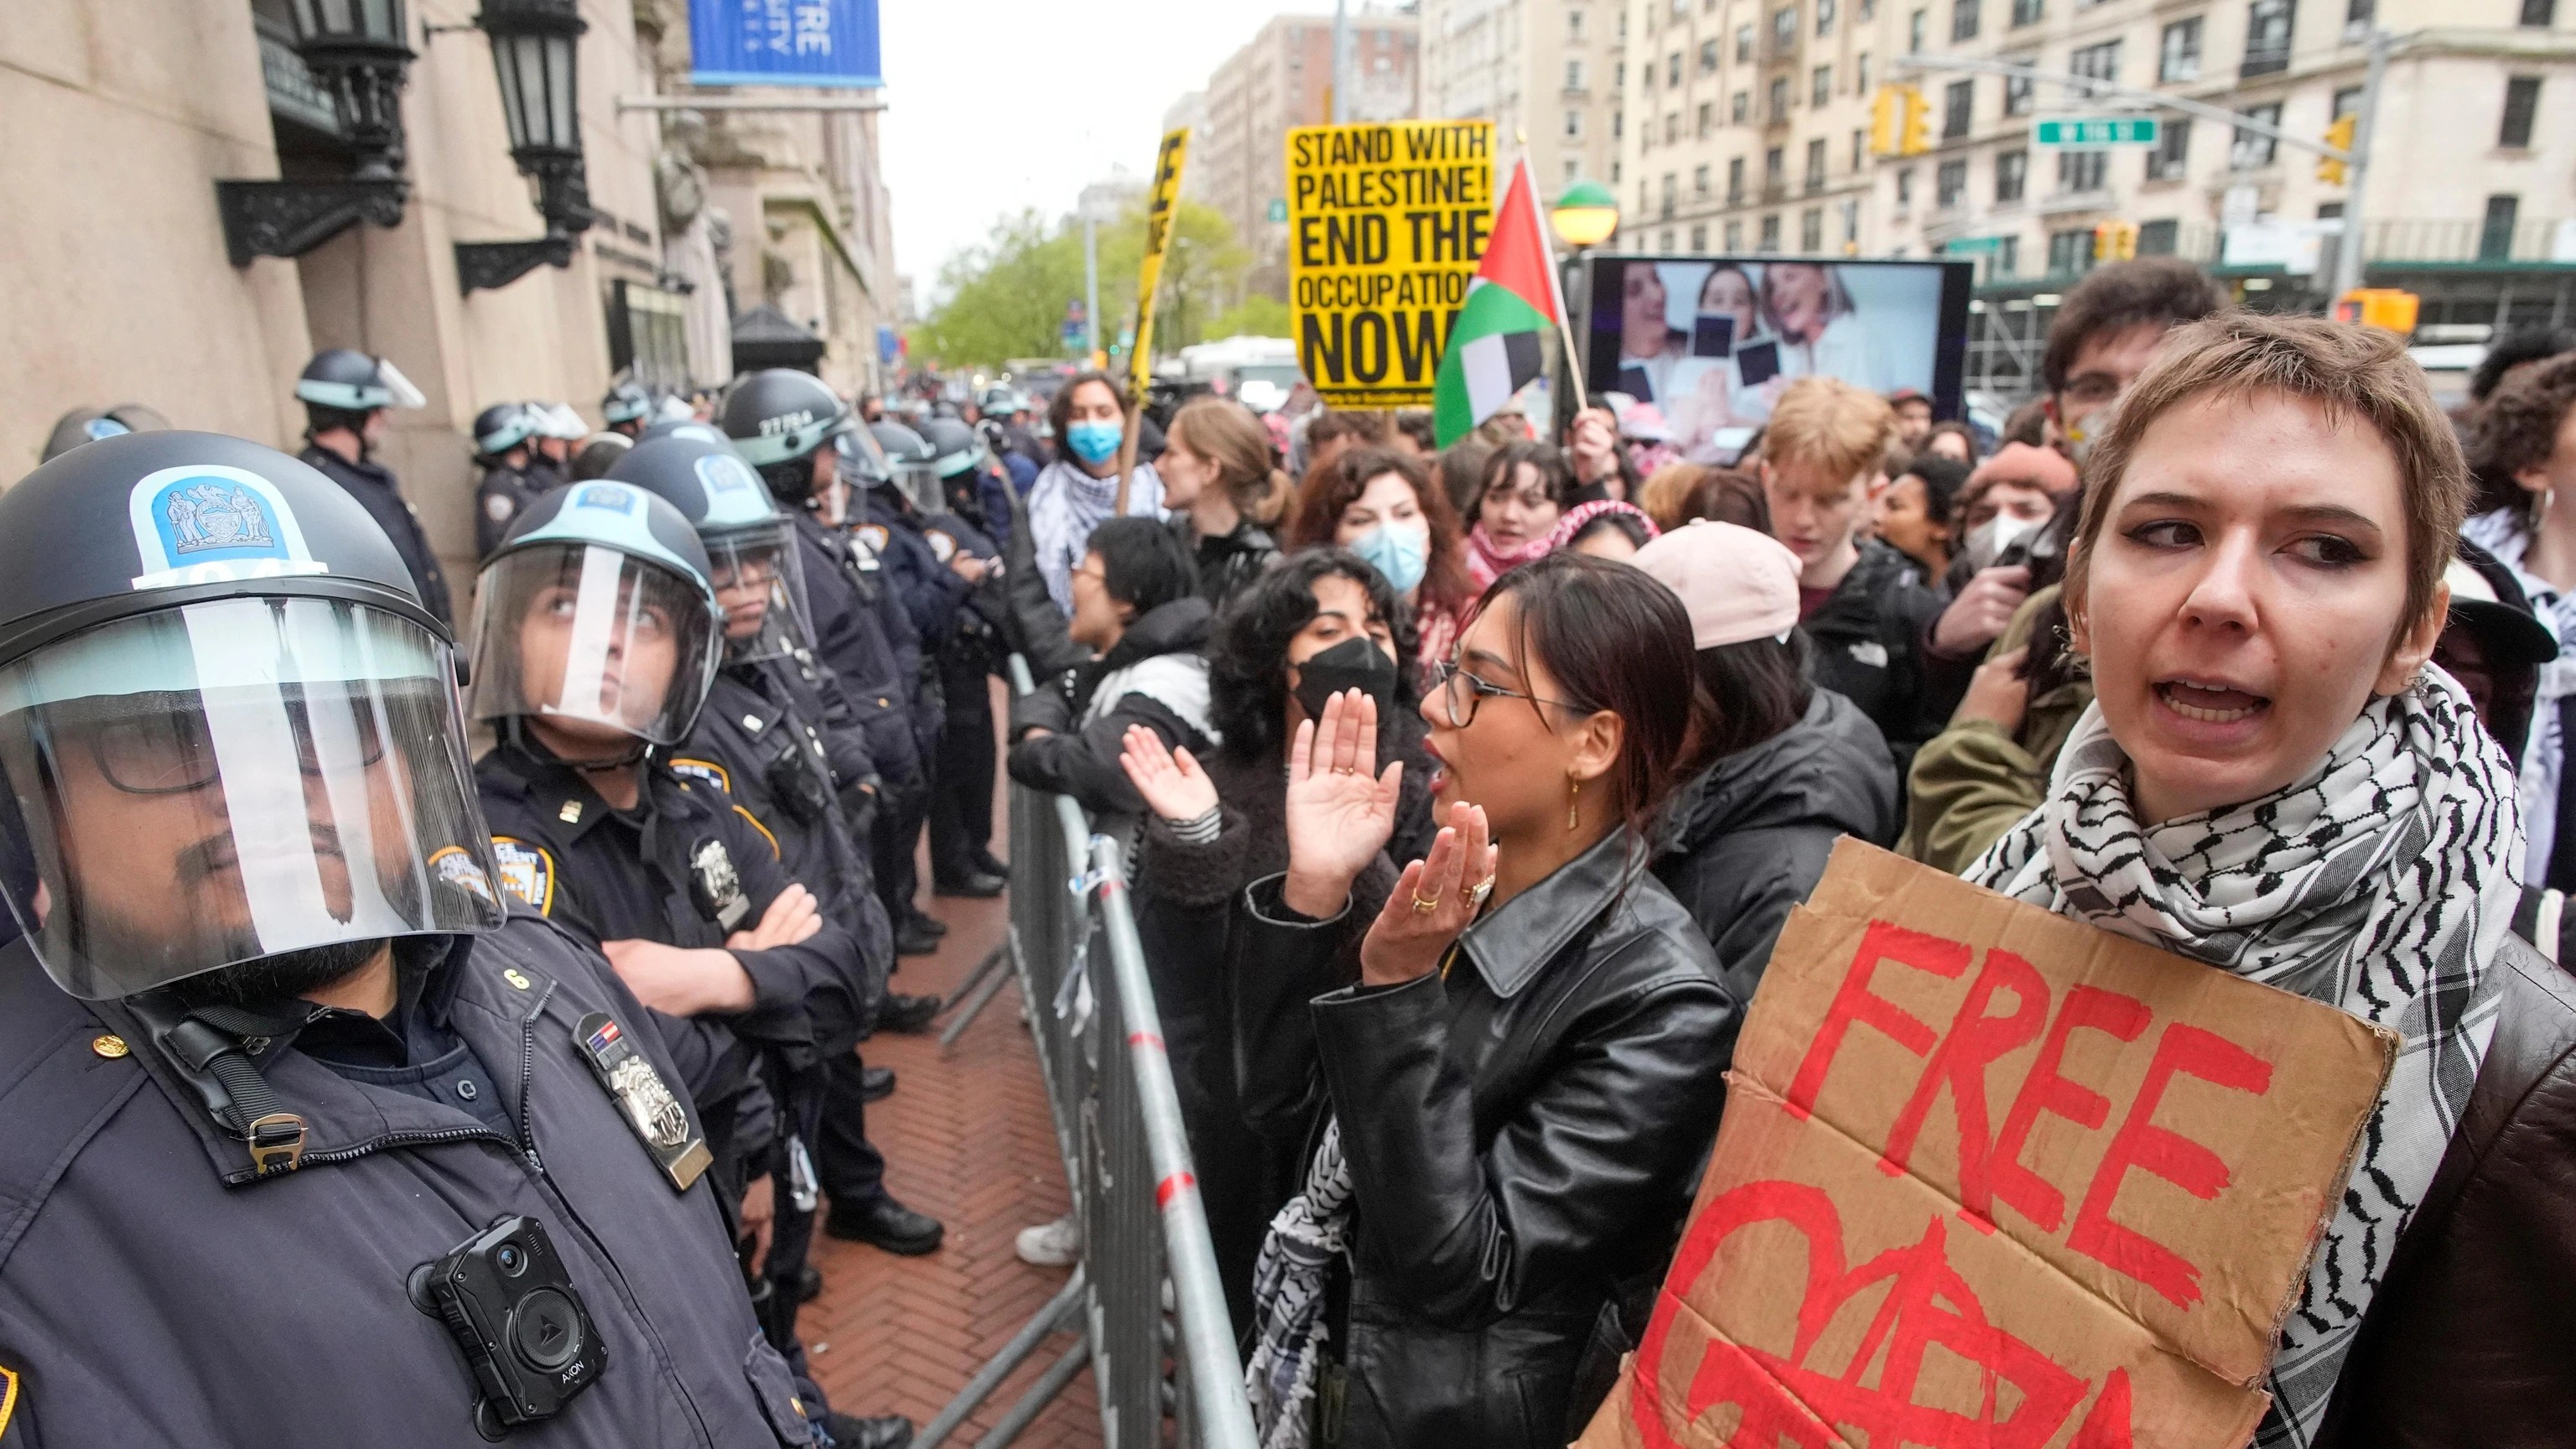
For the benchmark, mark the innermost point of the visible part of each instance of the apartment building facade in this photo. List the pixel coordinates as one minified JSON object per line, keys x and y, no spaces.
{"x":1752,"y":119}
{"x":1548,"y":73}
{"x":1283,"y":78}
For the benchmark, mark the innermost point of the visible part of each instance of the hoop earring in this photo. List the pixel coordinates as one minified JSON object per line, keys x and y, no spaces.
{"x":1574,"y":793}
{"x":2540,"y":502}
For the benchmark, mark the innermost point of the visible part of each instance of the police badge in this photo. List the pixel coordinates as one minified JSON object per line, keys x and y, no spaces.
{"x":715,"y":887}
{"x":649,"y":1105}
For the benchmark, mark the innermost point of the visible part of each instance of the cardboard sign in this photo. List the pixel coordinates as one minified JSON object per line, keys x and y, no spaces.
{"x":1385,"y":226}
{"x":1991,"y":1177}
{"x":1159,"y":216}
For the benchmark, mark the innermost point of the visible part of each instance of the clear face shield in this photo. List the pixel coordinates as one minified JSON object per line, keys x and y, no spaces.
{"x":594,"y":643}
{"x":920,"y":483}
{"x":233,"y":780}
{"x":760,"y":582}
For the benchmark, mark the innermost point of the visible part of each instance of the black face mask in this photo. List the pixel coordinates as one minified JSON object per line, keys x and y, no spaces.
{"x":1352,"y":664}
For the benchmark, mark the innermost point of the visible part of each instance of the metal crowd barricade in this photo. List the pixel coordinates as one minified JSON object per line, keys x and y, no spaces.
{"x":1145,"y":1297}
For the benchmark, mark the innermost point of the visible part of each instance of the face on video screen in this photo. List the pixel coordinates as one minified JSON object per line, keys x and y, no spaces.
{"x":1713,"y":341}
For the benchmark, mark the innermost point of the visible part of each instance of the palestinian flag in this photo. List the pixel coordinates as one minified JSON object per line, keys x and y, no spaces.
{"x":1512,"y":304}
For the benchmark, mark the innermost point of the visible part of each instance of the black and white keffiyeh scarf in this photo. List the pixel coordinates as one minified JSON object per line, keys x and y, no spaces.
{"x":1289,"y":1283}
{"x":2382,"y":882}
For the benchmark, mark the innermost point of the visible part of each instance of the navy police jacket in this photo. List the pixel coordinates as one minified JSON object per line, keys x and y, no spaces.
{"x":753,"y":746}
{"x":850,"y":640}
{"x":155,"y":1290}
{"x":687,"y":868}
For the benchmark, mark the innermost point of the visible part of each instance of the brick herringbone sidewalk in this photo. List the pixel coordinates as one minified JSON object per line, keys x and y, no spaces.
{"x":967,"y":1140}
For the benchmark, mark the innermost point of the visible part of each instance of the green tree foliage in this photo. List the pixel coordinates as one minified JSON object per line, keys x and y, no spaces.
{"x":1007,"y":297}
{"x":1258,"y":315}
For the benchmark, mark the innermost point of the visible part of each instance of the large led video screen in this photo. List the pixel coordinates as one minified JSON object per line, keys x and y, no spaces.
{"x":1712,"y":341}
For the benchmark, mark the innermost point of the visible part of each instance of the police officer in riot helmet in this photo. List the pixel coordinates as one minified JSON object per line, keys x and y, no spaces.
{"x":785,"y":423}
{"x":502,"y":444}
{"x":88,"y":425}
{"x":345,"y":394}
{"x":559,"y":431}
{"x":961,"y":807}
{"x":760,"y":736}
{"x":627,"y":408}
{"x":598,"y":638}
{"x":290,"y":1098}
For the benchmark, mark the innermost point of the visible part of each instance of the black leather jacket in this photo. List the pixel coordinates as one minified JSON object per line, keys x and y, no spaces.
{"x":1524,"y":1130}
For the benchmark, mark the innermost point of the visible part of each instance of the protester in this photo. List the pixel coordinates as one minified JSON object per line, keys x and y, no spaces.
{"x":2273,"y":781}
{"x":1593,"y":454}
{"x":1080,"y":488}
{"x":1517,"y":1090}
{"x":1378,"y":504}
{"x":1137,"y":608}
{"x":1216,"y":465}
{"x":1415,"y":432}
{"x":1604,"y":529}
{"x":1332,"y":432}
{"x":1913,"y":417}
{"x":1864,"y":605}
{"x":1526,"y":489}
{"x":2495,"y":644}
{"x":1914,"y":513}
{"x":2508,"y":356}
{"x":1665,"y":495}
{"x":1321,"y":622}
{"x":1730,"y":495}
{"x":1955,"y":441}
{"x":2527,"y":436}
{"x":1462,"y":471}
{"x":1791,"y":768}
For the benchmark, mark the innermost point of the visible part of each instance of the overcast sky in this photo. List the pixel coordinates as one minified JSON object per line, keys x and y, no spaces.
{"x":996,"y":105}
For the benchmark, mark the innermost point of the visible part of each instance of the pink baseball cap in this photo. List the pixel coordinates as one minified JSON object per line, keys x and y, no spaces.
{"x":1735,"y":583}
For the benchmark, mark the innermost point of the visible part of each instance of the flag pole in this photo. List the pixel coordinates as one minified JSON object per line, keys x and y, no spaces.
{"x":1556,"y":294}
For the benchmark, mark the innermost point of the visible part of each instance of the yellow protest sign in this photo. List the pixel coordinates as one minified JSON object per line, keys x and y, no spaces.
{"x":1386,"y":222}
{"x":1160,"y":212}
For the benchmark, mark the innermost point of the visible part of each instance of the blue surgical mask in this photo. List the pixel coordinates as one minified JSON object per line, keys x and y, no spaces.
{"x":1094,"y":443}
{"x":1400,"y":553}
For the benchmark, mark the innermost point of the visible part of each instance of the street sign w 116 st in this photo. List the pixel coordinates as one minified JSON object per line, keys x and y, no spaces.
{"x":2094,"y":131}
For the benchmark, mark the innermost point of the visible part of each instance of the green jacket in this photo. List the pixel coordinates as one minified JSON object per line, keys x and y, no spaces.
{"x":1972,"y":782}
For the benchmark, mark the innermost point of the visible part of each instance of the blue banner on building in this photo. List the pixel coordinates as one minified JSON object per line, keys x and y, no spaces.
{"x":784,"y":43}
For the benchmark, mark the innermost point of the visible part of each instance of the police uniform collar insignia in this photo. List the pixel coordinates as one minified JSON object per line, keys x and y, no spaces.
{"x":651,"y":1109}
{"x":715,"y":887}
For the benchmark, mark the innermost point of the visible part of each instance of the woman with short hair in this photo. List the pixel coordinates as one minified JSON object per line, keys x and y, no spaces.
{"x":2272,"y":780}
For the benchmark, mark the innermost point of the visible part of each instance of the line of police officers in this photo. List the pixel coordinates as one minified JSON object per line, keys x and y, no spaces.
{"x":516,"y":1085}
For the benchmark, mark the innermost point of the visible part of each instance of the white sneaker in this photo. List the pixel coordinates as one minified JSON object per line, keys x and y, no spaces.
{"x":1051,"y":1245}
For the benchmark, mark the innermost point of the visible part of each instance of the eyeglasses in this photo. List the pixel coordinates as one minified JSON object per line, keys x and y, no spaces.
{"x":1460,"y":693}
{"x":174,"y":752}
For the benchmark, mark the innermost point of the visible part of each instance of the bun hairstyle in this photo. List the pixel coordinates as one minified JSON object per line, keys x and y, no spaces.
{"x":1234,"y":442}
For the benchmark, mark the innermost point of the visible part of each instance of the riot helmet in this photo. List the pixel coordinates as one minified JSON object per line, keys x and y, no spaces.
{"x":88,"y":425}
{"x":228,"y":728}
{"x":594,"y":620}
{"x":752,"y":556}
{"x":625,"y":403}
{"x":685,"y":427}
{"x":342,"y":385}
{"x":597,"y":454}
{"x":501,"y":427}
{"x":955,"y":448}
{"x":915,"y":463}
{"x":779,"y":420}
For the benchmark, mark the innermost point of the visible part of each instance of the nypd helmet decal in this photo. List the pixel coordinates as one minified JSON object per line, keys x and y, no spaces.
{"x":209,"y":524}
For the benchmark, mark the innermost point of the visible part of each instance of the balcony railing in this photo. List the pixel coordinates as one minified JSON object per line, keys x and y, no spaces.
{"x":2406,"y":240}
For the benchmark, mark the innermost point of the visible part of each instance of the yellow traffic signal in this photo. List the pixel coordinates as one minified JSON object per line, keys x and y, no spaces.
{"x":1917,"y":136}
{"x":2115,"y":241}
{"x":1886,"y":110}
{"x":2339,"y":136}
{"x":2386,"y":308}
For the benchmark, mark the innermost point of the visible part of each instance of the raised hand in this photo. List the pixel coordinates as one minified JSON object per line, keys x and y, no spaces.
{"x":1340,"y":815}
{"x":1173,"y":785}
{"x":1437,"y":897}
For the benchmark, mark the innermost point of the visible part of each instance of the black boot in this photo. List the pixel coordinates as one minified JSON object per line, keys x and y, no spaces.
{"x":975,"y":885}
{"x":926,"y":921}
{"x":907,"y":1014}
{"x":910,"y":939}
{"x":887,"y":1224}
{"x":878,"y":1084}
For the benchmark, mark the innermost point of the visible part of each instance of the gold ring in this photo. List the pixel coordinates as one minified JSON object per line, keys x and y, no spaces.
{"x":1482,"y":889}
{"x":1424,"y":907}
{"x":1345,"y":769}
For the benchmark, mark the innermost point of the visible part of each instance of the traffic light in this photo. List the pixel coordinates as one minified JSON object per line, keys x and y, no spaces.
{"x":1900,"y":121}
{"x":2386,"y":308}
{"x":2339,"y":136}
{"x":2115,"y":241}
